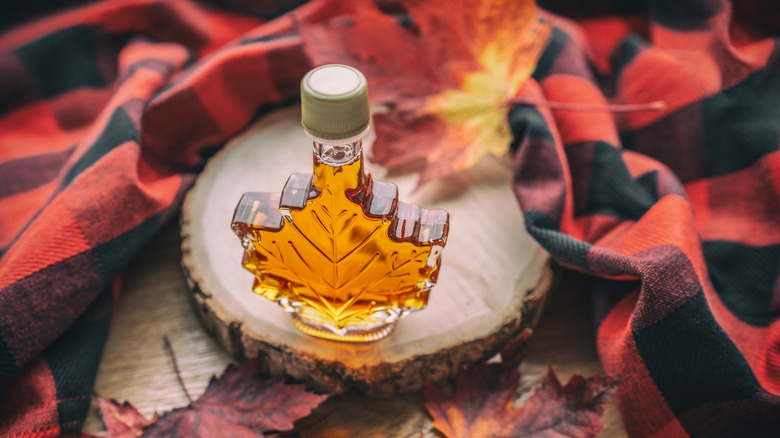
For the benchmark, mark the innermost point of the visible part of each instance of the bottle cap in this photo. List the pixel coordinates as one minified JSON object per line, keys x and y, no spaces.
{"x":334,"y":102}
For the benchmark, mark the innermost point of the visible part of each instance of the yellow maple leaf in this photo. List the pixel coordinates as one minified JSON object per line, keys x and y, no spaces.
{"x":447,"y":80}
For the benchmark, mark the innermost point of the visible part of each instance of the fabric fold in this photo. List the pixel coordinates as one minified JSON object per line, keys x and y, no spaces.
{"x":109,"y":110}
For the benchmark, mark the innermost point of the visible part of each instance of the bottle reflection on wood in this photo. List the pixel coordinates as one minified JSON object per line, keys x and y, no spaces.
{"x":337,"y":249}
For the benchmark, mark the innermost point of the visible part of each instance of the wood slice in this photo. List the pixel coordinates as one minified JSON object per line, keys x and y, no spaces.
{"x":493,"y":281}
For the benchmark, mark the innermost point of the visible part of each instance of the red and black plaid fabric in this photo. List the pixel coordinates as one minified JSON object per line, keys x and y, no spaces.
{"x":108,"y":111}
{"x":106,"y":114}
{"x":677,"y":212}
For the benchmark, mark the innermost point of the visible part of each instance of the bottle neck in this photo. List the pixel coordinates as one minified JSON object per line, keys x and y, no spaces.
{"x":338,"y":165}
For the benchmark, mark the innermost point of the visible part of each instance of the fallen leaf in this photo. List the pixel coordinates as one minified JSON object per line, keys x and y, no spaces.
{"x":240,"y":403}
{"x":573,"y":410}
{"x":447,"y":80}
{"x":483,"y":404}
{"x":122,"y":420}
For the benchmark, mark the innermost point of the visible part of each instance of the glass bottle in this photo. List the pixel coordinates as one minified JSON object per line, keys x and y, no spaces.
{"x":337,"y":249}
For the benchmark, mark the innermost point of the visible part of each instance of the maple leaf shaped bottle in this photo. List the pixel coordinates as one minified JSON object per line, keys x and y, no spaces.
{"x":337,"y":249}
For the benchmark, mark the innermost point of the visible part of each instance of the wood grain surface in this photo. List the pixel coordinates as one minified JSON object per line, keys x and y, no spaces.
{"x":155,"y":301}
{"x":494,"y":277}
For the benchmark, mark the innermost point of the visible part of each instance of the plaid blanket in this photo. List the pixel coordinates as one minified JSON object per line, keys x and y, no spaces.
{"x":109,"y":110}
{"x":677,"y":212}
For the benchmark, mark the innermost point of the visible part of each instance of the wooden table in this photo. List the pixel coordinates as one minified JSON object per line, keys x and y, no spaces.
{"x":155,"y":301}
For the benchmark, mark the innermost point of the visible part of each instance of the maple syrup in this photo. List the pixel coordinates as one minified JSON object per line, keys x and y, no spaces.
{"x":337,"y":249}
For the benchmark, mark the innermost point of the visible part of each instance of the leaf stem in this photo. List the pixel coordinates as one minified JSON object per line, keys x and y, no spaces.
{"x":613,"y":108}
{"x":169,"y":348}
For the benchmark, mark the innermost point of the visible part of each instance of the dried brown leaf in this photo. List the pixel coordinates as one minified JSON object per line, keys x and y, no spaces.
{"x":240,"y":403}
{"x":483,"y":403}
